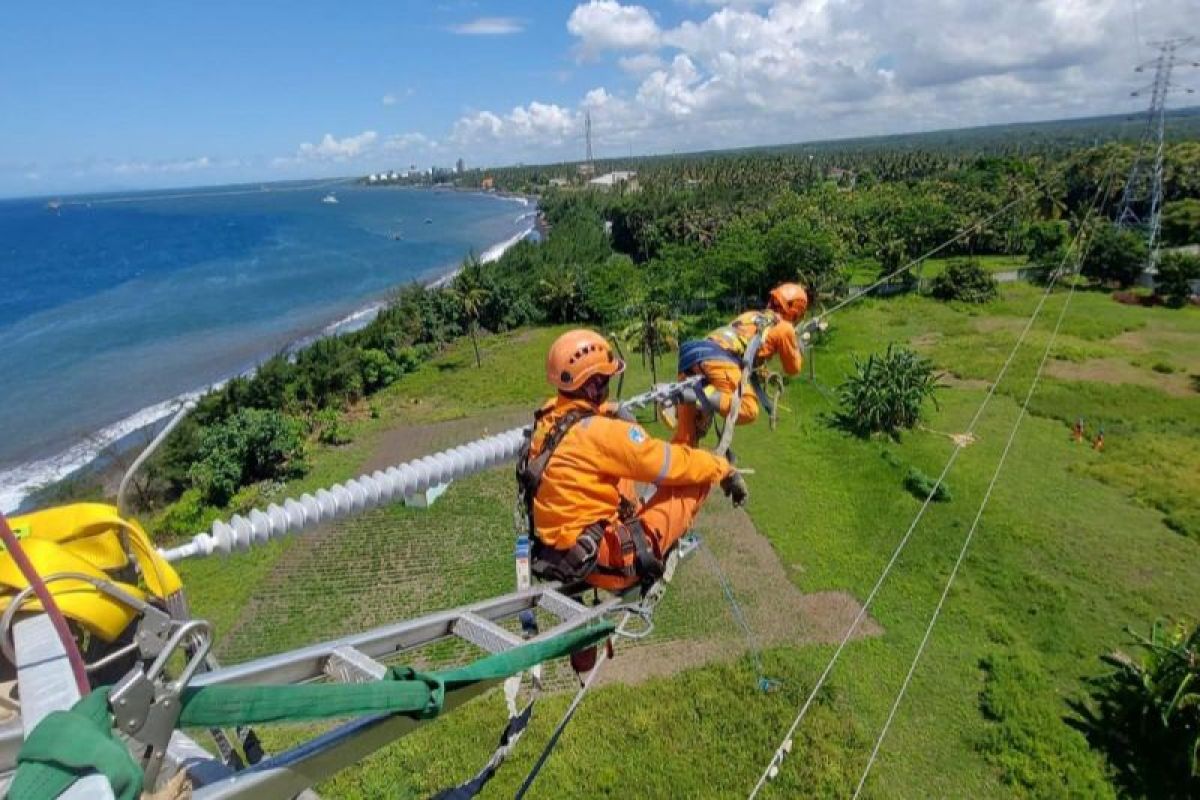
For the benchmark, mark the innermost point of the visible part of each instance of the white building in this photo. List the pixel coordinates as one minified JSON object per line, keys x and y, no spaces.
{"x":611,"y":179}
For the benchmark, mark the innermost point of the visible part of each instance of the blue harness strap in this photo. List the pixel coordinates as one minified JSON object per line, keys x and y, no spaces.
{"x":693,"y":353}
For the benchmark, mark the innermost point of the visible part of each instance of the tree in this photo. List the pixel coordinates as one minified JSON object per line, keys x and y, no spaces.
{"x":252,"y":445}
{"x":560,"y":294}
{"x":470,"y":295}
{"x":1181,"y":222}
{"x":964,"y":280}
{"x":1176,"y":273}
{"x":1114,"y":255}
{"x":795,"y":249}
{"x":652,"y":333}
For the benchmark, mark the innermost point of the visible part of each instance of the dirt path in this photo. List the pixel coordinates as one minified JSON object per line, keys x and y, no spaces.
{"x":776,"y":610}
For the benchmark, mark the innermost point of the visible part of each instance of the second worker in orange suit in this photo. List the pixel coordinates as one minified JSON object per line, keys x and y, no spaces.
{"x":719,"y":358}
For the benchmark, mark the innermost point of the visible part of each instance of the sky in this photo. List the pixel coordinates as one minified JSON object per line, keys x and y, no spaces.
{"x":111,"y":96}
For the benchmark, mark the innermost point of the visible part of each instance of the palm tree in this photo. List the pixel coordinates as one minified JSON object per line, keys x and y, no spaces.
{"x":651,"y":333}
{"x":471,"y":296}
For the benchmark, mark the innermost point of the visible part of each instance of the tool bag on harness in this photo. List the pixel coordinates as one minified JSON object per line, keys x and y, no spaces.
{"x":578,"y":561}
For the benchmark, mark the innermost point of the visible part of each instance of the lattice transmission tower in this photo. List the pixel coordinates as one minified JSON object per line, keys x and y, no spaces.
{"x":1137,"y":195}
{"x":587,"y":135}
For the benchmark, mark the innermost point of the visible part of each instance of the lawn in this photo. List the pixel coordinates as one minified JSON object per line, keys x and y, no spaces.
{"x":1075,"y":545}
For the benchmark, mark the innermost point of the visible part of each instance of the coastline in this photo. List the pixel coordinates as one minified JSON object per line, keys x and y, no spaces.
{"x":96,"y":451}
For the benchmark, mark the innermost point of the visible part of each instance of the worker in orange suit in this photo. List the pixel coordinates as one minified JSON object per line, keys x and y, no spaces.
{"x":578,"y":471}
{"x":720,"y":357}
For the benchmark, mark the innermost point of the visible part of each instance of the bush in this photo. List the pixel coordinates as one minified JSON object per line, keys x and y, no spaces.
{"x":378,"y":369}
{"x":331,"y":428}
{"x":1181,"y":222}
{"x":185,"y":516}
{"x":1176,"y":271}
{"x":1146,"y":713}
{"x":252,"y":445}
{"x":887,"y":392}
{"x":921,"y":486}
{"x":966,"y":281}
{"x":1114,"y":255}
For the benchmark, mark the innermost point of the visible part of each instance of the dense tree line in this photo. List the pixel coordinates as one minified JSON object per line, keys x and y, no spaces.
{"x":709,"y":231}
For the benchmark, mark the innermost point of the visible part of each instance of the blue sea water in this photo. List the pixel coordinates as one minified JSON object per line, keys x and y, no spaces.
{"x":114,"y":307}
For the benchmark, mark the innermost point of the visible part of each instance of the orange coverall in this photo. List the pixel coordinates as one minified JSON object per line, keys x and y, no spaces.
{"x":724,"y":377}
{"x":596,"y":464}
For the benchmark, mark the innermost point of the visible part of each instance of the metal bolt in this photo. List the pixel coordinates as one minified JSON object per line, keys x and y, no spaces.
{"x":122,"y":701}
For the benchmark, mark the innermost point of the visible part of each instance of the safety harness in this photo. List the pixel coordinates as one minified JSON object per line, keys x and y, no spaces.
{"x":578,"y":561}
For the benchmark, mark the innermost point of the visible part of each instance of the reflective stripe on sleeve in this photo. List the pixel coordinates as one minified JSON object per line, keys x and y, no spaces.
{"x":662,"y":473}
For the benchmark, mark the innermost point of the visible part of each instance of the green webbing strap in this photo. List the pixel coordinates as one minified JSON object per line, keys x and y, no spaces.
{"x":69,"y":744}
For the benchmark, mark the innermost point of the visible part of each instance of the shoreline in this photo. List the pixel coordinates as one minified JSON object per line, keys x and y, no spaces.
{"x":98,"y":450}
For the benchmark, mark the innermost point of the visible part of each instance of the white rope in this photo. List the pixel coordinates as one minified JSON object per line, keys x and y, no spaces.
{"x":963,"y":552}
{"x":970,"y":535}
{"x":785,"y":746}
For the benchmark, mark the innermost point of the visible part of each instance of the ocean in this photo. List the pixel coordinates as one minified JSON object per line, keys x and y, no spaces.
{"x":116,"y":307}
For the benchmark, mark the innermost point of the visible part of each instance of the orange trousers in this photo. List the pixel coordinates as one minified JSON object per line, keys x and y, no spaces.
{"x":724,"y":378}
{"x":666,"y":517}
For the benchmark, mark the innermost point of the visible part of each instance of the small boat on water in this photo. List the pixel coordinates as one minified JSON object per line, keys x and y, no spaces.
{"x":54,"y":205}
{"x":329,"y":198}
{"x":429,"y":220}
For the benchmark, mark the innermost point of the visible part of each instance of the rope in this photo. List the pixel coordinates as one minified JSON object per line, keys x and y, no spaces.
{"x":764,"y":683}
{"x":963,"y":552}
{"x":971,"y":532}
{"x":601,"y":660}
{"x":781,"y":751}
{"x":49,"y":606}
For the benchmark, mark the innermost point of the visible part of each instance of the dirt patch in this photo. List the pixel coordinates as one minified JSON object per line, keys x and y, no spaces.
{"x":1117,"y":371}
{"x":777,"y":612}
{"x":414,"y":441}
{"x":926,"y":340}
{"x":955,"y":382}
{"x":993,"y":324}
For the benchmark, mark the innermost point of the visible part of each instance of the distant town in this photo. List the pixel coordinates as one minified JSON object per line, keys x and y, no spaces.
{"x":459,"y":176}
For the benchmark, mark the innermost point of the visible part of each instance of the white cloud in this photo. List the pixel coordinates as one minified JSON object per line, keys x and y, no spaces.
{"x":641,"y":63}
{"x":607,"y":25}
{"x":333,"y":149}
{"x":489,"y":26}
{"x":546,"y":122}
{"x":169,"y":166}
{"x":388,"y":100}
{"x":406,"y":142}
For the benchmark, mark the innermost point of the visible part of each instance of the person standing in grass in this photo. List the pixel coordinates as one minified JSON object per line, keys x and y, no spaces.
{"x":720,"y":358}
{"x":577,"y":475}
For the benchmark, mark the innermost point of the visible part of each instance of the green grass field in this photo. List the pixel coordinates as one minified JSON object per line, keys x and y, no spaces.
{"x":1075,"y":545}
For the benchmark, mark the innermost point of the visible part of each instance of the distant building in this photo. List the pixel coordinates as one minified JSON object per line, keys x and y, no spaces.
{"x":488,"y":183}
{"x":560,"y":182}
{"x":373,"y":178}
{"x":460,"y":167}
{"x":611,"y":179}
{"x":586,"y":169}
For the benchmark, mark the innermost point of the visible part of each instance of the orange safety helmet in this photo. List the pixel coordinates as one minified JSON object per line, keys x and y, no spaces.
{"x":790,"y":300}
{"x":578,"y":355}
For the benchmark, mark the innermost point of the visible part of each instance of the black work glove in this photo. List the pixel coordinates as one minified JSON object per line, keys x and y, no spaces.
{"x":734,"y":486}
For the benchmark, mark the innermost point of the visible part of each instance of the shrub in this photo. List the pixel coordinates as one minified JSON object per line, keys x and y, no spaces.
{"x":185,"y":516}
{"x":1176,"y":271}
{"x":378,"y":369}
{"x":1146,"y":713}
{"x":887,"y":391}
{"x":330,"y":427}
{"x":1114,"y":255}
{"x":964,"y":280}
{"x":252,"y":445}
{"x":921,"y":486}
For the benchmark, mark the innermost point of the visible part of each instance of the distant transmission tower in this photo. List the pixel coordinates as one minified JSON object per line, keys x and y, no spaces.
{"x":587,"y":135}
{"x":1152,"y":138}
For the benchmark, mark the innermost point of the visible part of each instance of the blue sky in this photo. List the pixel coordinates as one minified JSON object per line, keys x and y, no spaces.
{"x":123,"y":95}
